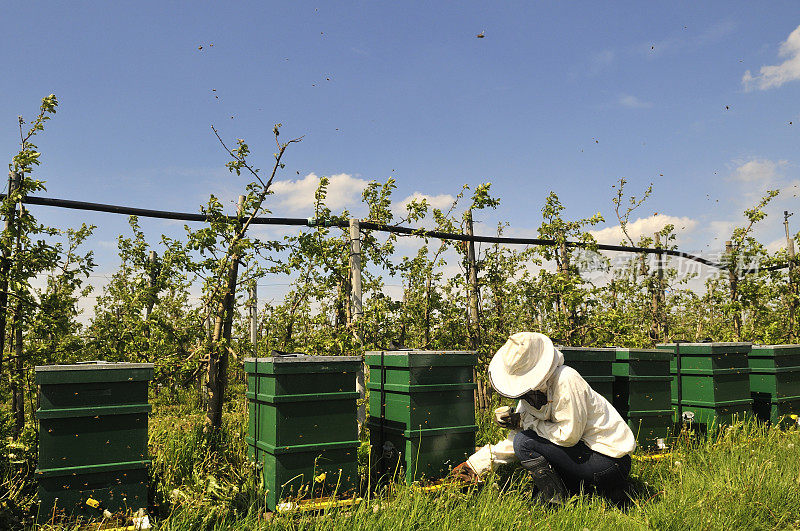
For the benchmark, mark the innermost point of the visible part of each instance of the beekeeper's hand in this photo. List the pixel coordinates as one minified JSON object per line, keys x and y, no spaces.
{"x":505,"y":417}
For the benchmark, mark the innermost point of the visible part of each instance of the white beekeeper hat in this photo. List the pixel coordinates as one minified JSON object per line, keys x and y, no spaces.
{"x":522,"y":364}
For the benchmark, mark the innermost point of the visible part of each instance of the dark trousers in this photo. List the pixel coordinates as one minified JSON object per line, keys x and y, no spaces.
{"x":575,"y":464}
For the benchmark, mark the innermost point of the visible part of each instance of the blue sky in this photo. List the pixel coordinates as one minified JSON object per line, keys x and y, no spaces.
{"x":566,"y":97}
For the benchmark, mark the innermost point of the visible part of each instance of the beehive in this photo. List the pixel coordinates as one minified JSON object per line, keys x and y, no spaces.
{"x":422,"y":413}
{"x":302,"y":425}
{"x":642,"y":383}
{"x":711,"y":381}
{"x":92,"y":437}
{"x":594,"y":364}
{"x":775,"y":381}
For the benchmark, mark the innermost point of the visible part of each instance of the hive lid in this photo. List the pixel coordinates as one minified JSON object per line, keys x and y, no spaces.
{"x":96,"y":365}
{"x":422,"y":358}
{"x":721,"y":347}
{"x":93,"y":372}
{"x":562,"y":348}
{"x":573,"y":354}
{"x":642,"y":354}
{"x":708,"y":344}
{"x":302,"y":358}
{"x":775,"y":350}
{"x":412,"y":352}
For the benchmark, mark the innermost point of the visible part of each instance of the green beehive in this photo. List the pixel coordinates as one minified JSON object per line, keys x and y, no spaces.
{"x":781,"y":411}
{"x":711,"y":382}
{"x":595,"y":366}
{"x":642,"y":383}
{"x":641,"y":362}
{"x":775,"y":370}
{"x":775,"y":381}
{"x":92,"y":438}
{"x":651,"y":428}
{"x":642,"y":380}
{"x":302,"y":425}
{"x":422,"y":412}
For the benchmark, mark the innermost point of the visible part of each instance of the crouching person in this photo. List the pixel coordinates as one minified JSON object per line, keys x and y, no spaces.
{"x":562,"y":432}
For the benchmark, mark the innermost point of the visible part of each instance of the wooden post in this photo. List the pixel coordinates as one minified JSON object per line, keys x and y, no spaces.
{"x":355,"y":268}
{"x":789,"y":240}
{"x":254,"y":317}
{"x":569,"y":317}
{"x":662,"y":293}
{"x":151,"y":299}
{"x":791,"y":282}
{"x":657,"y":296}
{"x":357,"y":312}
{"x":472,"y":272}
{"x":474,"y":310}
{"x":5,"y":265}
{"x":734,"y":286}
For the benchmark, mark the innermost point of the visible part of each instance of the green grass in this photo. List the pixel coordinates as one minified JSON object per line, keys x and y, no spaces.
{"x":743,"y":477}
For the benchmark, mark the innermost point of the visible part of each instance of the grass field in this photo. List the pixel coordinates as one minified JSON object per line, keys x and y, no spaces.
{"x":745,"y":477}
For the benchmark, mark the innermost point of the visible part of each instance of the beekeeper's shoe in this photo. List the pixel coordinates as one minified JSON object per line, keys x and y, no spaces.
{"x":549,"y":484}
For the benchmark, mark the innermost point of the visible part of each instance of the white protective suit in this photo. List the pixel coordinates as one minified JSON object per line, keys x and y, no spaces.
{"x":574,"y":412}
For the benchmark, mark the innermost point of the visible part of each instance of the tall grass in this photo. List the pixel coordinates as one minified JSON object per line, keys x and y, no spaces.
{"x":743,"y":477}
{"x":746,"y":476}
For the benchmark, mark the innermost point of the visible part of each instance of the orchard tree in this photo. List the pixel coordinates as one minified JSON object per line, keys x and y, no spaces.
{"x":220,"y":247}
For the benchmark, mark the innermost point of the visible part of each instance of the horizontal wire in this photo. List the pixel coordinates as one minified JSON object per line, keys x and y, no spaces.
{"x":381,"y":227}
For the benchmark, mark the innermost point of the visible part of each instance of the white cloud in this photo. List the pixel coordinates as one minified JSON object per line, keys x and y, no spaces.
{"x":632,"y":102}
{"x":776,"y":245}
{"x":298,"y":195}
{"x":772,"y":76}
{"x":441,"y":201}
{"x":757,"y":170}
{"x":644,"y":227}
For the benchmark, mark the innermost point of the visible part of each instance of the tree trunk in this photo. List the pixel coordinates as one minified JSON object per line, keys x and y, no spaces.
{"x":218,"y":354}
{"x":5,"y":266}
{"x":18,"y":378}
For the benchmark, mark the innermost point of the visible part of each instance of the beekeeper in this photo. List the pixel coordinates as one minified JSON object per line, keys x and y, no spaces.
{"x":562,"y":432}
